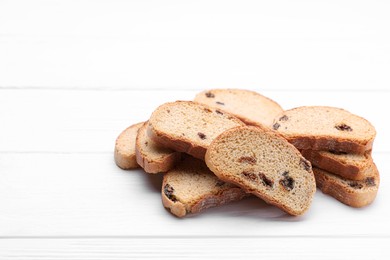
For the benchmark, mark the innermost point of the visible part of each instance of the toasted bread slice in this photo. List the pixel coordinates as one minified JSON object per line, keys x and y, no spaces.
{"x":249,"y":106}
{"x":189,"y":127}
{"x":325,"y":128}
{"x":263,"y":163}
{"x":153,"y":157}
{"x":191,"y":187}
{"x":352,"y":193}
{"x":346,"y":165}
{"x":124,"y":153}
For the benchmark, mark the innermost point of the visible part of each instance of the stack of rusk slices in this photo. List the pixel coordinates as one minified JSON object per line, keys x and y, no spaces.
{"x":338,"y":144}
{"x":228,"y":144}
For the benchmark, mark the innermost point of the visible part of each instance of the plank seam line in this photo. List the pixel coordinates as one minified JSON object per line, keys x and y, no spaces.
{"x":352,"y":236}
{"x":173,"y":88}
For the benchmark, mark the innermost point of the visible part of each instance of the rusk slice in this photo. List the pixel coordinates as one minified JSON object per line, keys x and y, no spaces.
{"x":189,"y":127}
{"x":153,"y":157}
{"x":191,"y":187}
{"x":352,"y":193}
{"x":249,"y":106}
{"x":349,"y":166}
{"x":124,"y":153}
{"x":325,"y":128}
{"x":263,"y":163}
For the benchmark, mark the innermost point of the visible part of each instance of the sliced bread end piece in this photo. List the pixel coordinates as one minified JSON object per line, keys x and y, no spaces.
{"x":191,"y":187}
{"x":325,"y":128}
{"x":153,"y":157}
{"x":124,"y":153}
{"x":263,"y":163}
{"x":352,"y":193}
{"x":189,"y":127}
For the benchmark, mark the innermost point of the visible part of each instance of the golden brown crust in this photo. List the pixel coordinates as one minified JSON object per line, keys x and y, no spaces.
{"x":176,"y":144}
{"x":163,"y":163}
{"x":327,"y":143}
{"x":124,"y":155}
{"x":180,"y":210}
{"x":212,"y":200}
{"x":158,"y":166}
{"x":338,"y":188}
{"x":338,"y":167}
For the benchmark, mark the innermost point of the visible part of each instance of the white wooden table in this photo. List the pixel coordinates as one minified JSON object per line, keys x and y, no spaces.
{"x":74,"y":74}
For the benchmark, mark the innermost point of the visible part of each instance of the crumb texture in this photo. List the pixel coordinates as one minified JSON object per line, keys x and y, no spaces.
{"x":249,"y":106}
{"x":325,"y":128}
{"x":189,"y":127}
{"x":265,"y":164}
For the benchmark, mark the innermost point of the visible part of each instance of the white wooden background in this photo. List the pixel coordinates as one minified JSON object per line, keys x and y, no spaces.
{"x":74,"y":74}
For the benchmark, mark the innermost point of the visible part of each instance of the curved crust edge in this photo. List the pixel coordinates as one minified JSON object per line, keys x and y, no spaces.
{"x":176,"y":144}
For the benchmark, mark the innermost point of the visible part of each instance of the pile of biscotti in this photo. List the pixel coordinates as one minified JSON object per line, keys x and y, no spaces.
{"x":228,"y":144}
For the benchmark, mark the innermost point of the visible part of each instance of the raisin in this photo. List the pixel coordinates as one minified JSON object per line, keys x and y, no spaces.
{"x":220,"y":103}
{"x":370,"y":181}
{"x":209,"y":95}
{"x":249,"y":175}
{"x":305,"y":164}
{"x":168,"y":191}
{"x":219,"y":183}
{"x":247,"y":159}
{"x":146,"y":143}
{"x":287,"y":182}
{"x":283,"y":118}
{"x":356,"y":185}
{"x":276,"y":126}
{"x":265,"y":180}
{"x":337,"y":152}
{"x":344,"y":127}
{"x":218,"y":112}
{"x":202,"y":135}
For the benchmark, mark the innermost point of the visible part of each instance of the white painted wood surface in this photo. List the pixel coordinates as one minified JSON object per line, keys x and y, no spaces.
{"x":74,"y":74}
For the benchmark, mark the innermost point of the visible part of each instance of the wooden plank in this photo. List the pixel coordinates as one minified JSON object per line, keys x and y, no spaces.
{"x":90,"y":121}
{"x":153,"y":44}
{"x":87,"y":195}
{"x":196,"y":248}
{"x":61,"y":195}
